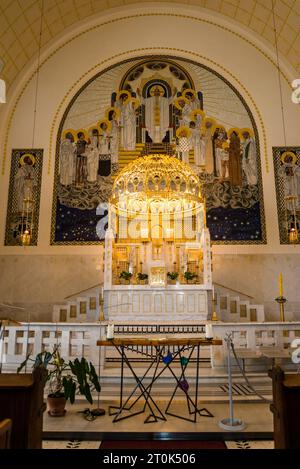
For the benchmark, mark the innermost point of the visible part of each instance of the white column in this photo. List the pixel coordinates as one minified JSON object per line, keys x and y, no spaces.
{"x":109,"y":236}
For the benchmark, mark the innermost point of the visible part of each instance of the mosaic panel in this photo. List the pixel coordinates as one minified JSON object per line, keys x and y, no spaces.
{"x":287,"y":181}
{"x":172,"y":105}
{"x":24,"y":197}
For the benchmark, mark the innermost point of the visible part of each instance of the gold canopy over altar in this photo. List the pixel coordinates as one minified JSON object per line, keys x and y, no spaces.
{"x":157,"y":236}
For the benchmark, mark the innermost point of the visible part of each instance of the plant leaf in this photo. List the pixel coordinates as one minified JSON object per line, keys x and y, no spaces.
{"x":23,"y":364}
{"x":72,"y":392}
{"x":94,"y":378}
{"x":88,"y":394}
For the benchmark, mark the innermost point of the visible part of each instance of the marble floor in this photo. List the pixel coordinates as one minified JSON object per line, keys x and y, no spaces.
{"x":73,"y":426}
{"x":85,"y":444}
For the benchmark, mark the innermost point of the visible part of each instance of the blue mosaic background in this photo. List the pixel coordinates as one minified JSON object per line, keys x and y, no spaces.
{"x":237,"y":224}
{"x":75,"y":225}
{"x":225,"y":224}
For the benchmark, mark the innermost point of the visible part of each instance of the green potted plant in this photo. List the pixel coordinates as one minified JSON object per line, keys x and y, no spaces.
{"x":125,"y":277}
{"x":172,"y":277}
{"x":189,"y":276}
{"x":65,"y":379}
{"x":142,"y":278}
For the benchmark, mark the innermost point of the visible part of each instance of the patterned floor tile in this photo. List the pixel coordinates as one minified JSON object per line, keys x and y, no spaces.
{"x":250,"y":444}
{"x":71,"y":444}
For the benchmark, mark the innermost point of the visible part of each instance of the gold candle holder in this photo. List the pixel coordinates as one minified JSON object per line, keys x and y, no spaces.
{"x":214,"y":314}
{"x":101,"y":304}
{"x":281,"y":301}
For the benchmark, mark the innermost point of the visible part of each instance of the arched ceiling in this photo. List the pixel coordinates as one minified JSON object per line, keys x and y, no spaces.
{"x":20,"y":24}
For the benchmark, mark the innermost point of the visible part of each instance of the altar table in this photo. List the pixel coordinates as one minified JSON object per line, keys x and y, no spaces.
{"x":162,"y":356}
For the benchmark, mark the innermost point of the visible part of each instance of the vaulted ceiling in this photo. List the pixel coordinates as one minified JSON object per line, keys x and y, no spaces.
{"x":20,"y":24}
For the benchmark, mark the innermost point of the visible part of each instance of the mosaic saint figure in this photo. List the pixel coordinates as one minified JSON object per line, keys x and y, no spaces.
{"x":127,"y":121}
{"x":222,"y":155}
{"x":81,"y":160}
{"x":183,"y":147}
{"x":249,"y":158}
{"x":197,"y":144}
{"x":235,"y":161}
{"x":193,"y":99}
{"x":208,"y":146}
{"x":290,"y":172}
{"x":93,"y":156}
{"x":185,"y":111}
{"x":104,"y":152}
{"x":24,"y":182}
{"x":157,"y":114}
{"x":114,"y":141}
{"x":67,"y":160}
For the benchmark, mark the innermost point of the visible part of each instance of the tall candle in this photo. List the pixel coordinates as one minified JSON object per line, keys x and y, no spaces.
{"x":213,"y":292}
{"x":280,"y":285}
{"x":208,"y":331}
{"x":110,"y":331}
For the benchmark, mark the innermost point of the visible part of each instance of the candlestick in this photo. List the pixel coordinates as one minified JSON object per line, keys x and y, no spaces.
{"x":281,"y":301}
{"x":280,"y":285}
{"x":101,"y":307}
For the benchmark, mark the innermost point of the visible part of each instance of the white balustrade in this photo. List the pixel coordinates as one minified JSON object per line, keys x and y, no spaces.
{"x":253,"y":335}
{"x":79,"y":339}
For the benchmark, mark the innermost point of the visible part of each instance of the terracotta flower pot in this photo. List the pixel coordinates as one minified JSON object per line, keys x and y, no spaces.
{"x":56,"y":406}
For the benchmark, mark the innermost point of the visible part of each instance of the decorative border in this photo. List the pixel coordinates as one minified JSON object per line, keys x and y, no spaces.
{"x":16,"y":155}
{"x":199,"y":20}
{"x":156,"y":57}
{"x":281,"y":208}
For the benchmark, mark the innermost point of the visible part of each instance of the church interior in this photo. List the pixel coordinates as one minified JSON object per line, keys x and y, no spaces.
{"x":149,"y":224}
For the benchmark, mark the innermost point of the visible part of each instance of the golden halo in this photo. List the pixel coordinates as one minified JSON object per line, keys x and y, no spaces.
{"x":246,"y":129}
{"x":208,"y":119}
{"x":136,"y":103}
{"x":27,"y":155}
{"x":160,"y":88}
{"x":115,"y":109}
{"x":233,"y":129}
{"x":217,"y":126}
{"x":189,"y":90}
{"x":289,"y":153}
{"x":69,"y":131}
{"x":86,"y":137}
{"x":104,"y":121}
{"x":92,"y":128}
{"x":184,"y":129}
{"x":119,"y":94}
{"x":180,"y":98}
{"x":195,"y":113}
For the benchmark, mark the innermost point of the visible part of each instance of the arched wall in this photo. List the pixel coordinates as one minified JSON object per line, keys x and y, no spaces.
{"x":105,"y":40}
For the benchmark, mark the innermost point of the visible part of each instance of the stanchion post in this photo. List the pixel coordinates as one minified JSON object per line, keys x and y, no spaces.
{"x":230,"y":423}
